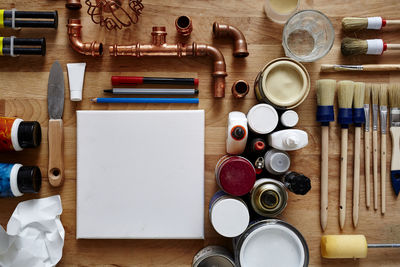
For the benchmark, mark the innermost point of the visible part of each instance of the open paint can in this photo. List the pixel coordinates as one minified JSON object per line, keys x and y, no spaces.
{"x":271,"y":243}
{"x":213,"y":256}
{"x":283,"y":83}
{"x":268,"y":197}
{"x":228,"y":215}
{"x":235,"y":175}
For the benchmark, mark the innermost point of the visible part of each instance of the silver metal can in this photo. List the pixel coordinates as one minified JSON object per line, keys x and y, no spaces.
{"x":213,"y":256}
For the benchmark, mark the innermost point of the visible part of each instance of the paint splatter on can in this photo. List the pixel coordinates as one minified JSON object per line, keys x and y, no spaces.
{"x":228,"y":215}
{"x":235,"y":175}
{"x":271,"y":243}
{"x":213,"y":256}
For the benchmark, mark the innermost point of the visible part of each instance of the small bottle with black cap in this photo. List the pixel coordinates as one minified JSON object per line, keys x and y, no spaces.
{"x":17,"y":134}
{"x":237,"y":133}
{"x":297,"y":183}
{"x":15,"y":180}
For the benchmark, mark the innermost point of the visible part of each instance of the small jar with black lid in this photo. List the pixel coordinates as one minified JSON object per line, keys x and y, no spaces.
{"x":17,"y":134}
{"x":15,"y":180}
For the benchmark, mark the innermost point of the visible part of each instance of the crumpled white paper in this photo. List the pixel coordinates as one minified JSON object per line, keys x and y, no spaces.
{"x":35,"y":235}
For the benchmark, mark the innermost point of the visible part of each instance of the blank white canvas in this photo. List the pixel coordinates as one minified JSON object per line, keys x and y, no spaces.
{"x":140,"y":174}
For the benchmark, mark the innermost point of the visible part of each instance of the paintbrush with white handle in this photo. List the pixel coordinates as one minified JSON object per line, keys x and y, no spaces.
{"x":367,"y":145}
{"x":345,"y":117}
{"x":352,"y":47}
{"x":383,"y":99}
{"x":375,"y":109}
{"x":371,"y":23}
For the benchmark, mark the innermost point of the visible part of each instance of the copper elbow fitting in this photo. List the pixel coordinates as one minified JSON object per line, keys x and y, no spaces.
{"x":73,"y":4}
{"x":159,"y":47}
{"x":74,"y":33}
{"x":240,"y":88}
{"x":239,"y":41}
{"x":184,"y":25}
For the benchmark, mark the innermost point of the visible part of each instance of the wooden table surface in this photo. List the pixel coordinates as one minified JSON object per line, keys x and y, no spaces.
{"x":23,"y":94}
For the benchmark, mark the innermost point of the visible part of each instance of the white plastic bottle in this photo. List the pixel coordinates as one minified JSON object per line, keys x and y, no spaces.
{"x":237,"y":133}
{"x":288,"y":140}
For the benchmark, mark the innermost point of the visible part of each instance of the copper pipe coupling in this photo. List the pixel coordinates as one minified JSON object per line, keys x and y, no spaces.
{"x":74,"y":33}
{"x":73,"y":4}
{"x":239,"y":41}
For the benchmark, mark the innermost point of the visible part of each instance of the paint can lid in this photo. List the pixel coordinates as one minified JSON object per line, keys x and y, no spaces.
{"x":230,"y":217}
{"x":262,"y":118}
{"x":29,"y":134}
{"x":289,"y":118}
{"x":237,"y":176}
{"x":276,"y":161}
{"x":29,"y":179}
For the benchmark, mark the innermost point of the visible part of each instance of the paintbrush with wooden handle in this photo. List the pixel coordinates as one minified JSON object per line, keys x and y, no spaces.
{"x":375,"y":109}
{"x":383,"y":99}
{"x":325,"y":114}
{"x":358,"y":119}
{"x":352,"y":47}
{"x":345,"y":117}
{"x":367,"y":144}
{"x":371,"y":23}
{"x":394,"y":101}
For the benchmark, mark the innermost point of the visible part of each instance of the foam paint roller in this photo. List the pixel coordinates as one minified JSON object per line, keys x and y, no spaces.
{"x":348,"y":246}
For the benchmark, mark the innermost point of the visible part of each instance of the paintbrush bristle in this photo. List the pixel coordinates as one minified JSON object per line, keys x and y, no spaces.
{"x":359,"y":91}
{"x":326,"y":92}
{"x":394,"y":95}
{"x":376,"y":87}
{"x":345,"y":94}
{"x":383,"y":95}
{"x":352,"y":46}
{"x":354,"y":24}
{"x":367,"y":93}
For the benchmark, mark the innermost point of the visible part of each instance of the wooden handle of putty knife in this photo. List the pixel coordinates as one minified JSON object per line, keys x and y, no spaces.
{"x":324,"y":176}
{"x":343,"y":178}
{"x":395,"y":165}
{"x":356,"y":178}
{"x":383,"y":173}
{"x":375,"y":166}
{"x":367,"y":136}
{"x":56,"y":152}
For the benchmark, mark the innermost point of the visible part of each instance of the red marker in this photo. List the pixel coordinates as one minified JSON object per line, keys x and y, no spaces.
{"x":133,"y":80}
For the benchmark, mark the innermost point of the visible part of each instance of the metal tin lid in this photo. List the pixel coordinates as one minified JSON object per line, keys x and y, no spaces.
{"x":289,"y":118}
{"x":213,"y":256}
{"x":262,"y":118}
{"x":229,"y":216}
{"x":276,"y":161}
{"x":237,"y":176}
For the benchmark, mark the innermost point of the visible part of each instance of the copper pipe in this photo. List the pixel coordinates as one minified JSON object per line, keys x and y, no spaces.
{"x":159,"y":47}
{"x":240,"y":88}
{"x":74,"y":33}
{"x":73,"y":4}
{"x":184,"y":25}
{"x":239,"y":41}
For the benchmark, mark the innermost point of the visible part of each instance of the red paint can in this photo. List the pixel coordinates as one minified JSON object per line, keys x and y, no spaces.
{"x":235,"y":175}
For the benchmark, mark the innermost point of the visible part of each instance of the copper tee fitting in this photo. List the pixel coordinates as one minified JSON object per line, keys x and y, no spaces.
{"x":74,"y":33}
{"x":240,"y":89}
{"x":159,"y":47}
{"x":239,"y":41}
{"x":184,"y":25}
{"x":73,"y":4}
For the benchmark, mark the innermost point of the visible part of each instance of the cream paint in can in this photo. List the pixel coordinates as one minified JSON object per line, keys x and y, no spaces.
{"x":213,"y":256}
{"x":283,"y":83}
{"x":271,"y":243}
{"x":228,"y":215}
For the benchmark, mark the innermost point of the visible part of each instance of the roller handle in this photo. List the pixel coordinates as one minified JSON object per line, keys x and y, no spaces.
{"x":343,"y":178}
{"x":367,"y":164}
{"x":324,"y":176}
{"x":383,"y":173}
{"x":56,"y":152}
{"x":375,"y":166}
{"x":356,"y":179}
{"x":395,"y":164}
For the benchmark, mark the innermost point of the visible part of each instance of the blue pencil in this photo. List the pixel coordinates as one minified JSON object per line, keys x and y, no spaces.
{"x":146,"y":100}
